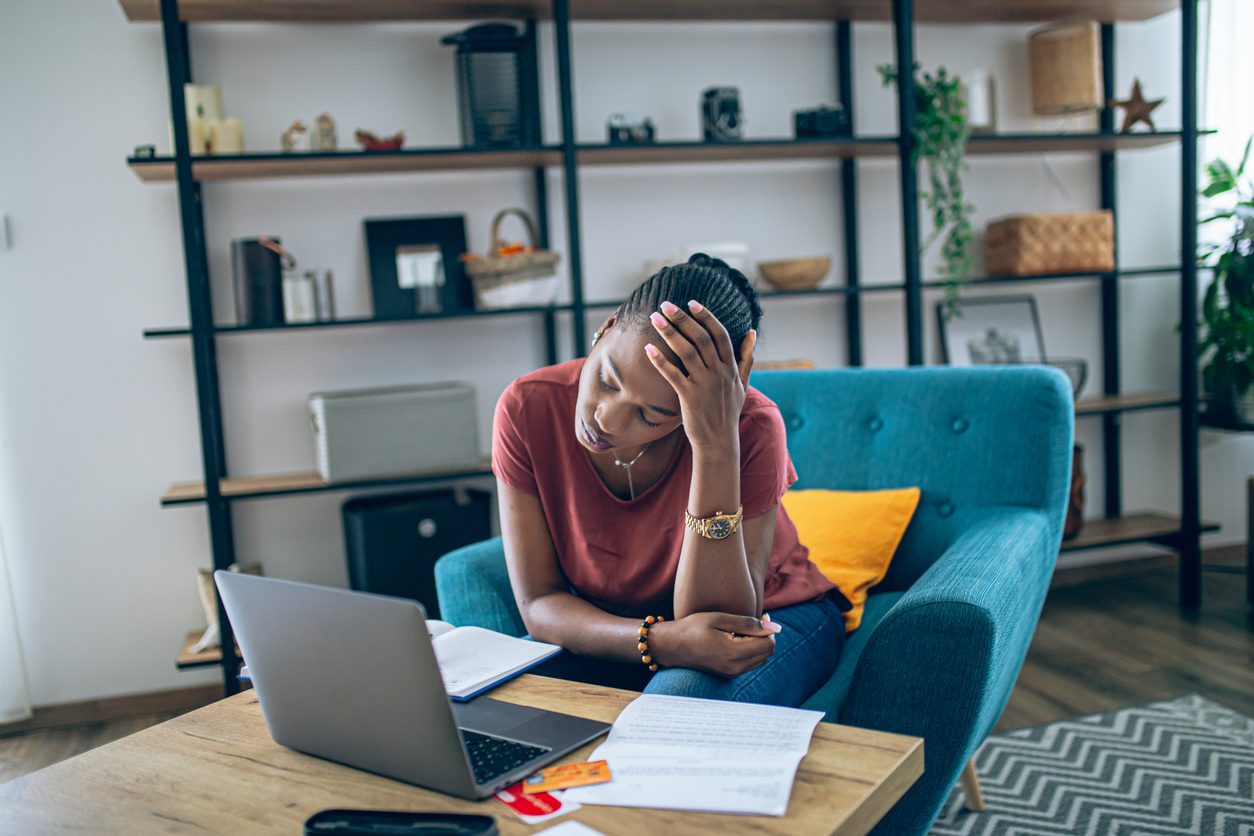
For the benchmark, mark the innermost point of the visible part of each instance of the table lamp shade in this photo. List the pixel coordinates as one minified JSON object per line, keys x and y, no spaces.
{"x":1066,"y":68}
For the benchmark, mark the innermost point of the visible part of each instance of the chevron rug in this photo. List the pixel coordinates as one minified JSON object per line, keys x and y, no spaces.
{"x":1181,"y":766}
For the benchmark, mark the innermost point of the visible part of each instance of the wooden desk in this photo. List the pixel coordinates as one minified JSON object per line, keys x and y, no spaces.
{"x":217,"y":770}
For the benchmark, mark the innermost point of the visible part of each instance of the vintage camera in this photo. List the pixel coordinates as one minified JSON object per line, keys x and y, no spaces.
{"x":629,"y":129}
{"x":821,"y":121}
{"x":721,"y":120}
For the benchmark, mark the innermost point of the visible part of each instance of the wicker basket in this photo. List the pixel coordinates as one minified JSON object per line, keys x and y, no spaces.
{"x":1045,"y":242}
{"x":513,"y":277}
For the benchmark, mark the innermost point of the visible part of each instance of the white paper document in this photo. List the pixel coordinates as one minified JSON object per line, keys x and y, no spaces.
{"x":680,"y":753}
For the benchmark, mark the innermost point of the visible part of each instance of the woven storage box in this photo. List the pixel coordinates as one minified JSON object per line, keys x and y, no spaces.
{"x":1051,"y":242}
{"x":366,"y":433}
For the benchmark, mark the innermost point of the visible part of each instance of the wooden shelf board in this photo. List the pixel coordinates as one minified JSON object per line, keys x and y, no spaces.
{"x":351,"y":322}
{"x":743,"y":151}
{"x":938,"y":11}
{"x":251,"y":487}
{"x":415,"y":160}
{"x":1130,"y":528}
{"x":209,"y":656}
{"x":258,"y":166}
{"x":1049,"y":143}
{"x":1126,"y":403}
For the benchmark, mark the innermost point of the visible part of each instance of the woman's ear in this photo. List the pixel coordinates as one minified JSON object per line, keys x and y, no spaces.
{"x":604,"y":328}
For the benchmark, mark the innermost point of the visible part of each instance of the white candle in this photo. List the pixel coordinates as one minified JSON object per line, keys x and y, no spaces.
{"x":197,"y":135}
{"x":203,"y":100}
{"x":228,"y":136}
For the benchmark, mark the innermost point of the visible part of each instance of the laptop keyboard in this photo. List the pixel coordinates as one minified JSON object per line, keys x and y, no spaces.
{"x":491,"y":757}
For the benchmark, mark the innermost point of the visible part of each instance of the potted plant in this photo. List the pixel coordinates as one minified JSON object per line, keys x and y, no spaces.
{"x":1226,"y":330}
{"x":940,"y":140}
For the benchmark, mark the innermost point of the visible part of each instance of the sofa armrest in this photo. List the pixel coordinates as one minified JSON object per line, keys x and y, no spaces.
{"x":942,"y":662}
{"x":474,"y":590}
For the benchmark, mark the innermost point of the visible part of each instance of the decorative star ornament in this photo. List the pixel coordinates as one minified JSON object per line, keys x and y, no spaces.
{"x":1136,"y":108}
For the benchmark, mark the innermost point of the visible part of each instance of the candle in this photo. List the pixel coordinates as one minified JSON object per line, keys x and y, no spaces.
{"x":197,"y":135}
{"x":228,"y":136}
{"x":203,"y":100}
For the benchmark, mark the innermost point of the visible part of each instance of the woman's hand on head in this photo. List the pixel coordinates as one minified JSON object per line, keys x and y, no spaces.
{"x":712,"y":393}
{"x":715,"y":642}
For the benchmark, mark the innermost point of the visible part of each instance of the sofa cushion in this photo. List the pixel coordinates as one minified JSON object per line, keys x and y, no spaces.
{"x":852,"y":535}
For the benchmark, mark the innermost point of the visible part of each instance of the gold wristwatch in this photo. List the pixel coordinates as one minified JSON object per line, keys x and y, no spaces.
{"x":718,"y":527}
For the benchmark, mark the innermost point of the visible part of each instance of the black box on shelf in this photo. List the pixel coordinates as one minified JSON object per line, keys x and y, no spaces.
{"x":393,"y":541}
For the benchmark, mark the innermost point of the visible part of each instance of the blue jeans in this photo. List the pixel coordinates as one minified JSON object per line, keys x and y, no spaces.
{"x":806,"y":653}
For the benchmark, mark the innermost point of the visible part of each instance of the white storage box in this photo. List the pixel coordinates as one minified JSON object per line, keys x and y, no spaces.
{"x":399,"y":430}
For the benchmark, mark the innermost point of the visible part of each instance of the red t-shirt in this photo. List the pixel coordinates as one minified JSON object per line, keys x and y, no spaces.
{"x":620,"y":554}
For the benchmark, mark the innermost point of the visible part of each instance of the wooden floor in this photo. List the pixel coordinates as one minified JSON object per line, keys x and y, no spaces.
{"x":1124,"y":642}
{"x":1103,"y":645}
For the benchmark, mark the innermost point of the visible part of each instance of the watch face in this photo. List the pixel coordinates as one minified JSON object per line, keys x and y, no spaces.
{"x":720,"y":527}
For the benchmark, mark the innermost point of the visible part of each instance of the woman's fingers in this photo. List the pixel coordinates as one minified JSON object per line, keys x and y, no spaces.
{"x":745,"y":363}
{"x":665,"y":367}
{"x":716,"y":330}
{"x":684,"y":329}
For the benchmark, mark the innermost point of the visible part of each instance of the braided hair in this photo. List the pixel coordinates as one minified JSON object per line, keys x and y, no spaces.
{"x":722,"y":289}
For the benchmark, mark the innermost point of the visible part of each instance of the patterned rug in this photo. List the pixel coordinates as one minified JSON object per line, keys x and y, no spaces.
{"x":1181,"y":766}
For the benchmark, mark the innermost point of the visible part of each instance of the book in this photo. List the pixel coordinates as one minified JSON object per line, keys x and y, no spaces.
{"x":685,"y":753}
{"x":473,"y":660}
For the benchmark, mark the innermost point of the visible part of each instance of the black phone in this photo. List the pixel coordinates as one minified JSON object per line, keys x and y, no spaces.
{"x":387,"y":822}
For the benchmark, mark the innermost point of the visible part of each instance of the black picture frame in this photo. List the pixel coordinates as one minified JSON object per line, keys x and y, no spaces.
{"x":968,"y":315}
{"x":385,"y":235}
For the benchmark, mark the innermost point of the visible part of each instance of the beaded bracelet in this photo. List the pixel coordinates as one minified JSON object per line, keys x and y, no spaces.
{"x":643,"y":644}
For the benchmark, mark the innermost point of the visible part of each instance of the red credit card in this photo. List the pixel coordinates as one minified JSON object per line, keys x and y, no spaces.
{"x":536,"y":807}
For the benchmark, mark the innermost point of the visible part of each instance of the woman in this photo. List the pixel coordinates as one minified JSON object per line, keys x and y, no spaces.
{"x":639,"y":496}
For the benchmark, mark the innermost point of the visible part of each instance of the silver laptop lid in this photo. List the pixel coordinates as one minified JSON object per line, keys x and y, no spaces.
{"x":350,"y":677}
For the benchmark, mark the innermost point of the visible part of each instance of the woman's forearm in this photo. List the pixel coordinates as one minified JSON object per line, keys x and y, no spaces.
{"x":581,"y":627}
{"x":713,"y":575}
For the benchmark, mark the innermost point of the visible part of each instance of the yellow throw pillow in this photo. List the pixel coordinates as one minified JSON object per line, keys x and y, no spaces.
{"x":852,"y":536}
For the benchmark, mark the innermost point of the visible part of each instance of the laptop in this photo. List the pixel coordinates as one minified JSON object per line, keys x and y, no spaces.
{"x":352,"y":677}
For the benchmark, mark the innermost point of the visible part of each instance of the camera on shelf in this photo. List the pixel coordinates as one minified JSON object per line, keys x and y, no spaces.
{"x":721,"y":119}
{"x":821,"y":121}
{"x":629,"y":129}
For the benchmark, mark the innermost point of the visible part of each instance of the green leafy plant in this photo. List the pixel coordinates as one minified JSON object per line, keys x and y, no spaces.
{"x":940,"y":140}
{"x":1226,"y":347}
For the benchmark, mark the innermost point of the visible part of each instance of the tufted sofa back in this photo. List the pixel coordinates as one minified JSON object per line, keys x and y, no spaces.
{"x":970,"y":438}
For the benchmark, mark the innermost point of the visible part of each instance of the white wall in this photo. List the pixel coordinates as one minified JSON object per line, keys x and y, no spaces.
{"x":95,"y":422}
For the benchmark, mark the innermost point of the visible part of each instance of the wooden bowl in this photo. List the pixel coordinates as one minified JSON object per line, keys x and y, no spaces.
{"x":795,"y":273}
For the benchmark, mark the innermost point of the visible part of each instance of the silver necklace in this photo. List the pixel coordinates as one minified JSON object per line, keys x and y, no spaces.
{"x":631,"y":486}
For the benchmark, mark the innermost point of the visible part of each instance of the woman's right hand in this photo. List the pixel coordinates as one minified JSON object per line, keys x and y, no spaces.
{"x":715,"y":642}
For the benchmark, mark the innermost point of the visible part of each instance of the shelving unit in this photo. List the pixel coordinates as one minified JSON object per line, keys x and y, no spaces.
{"x":218,"y":490}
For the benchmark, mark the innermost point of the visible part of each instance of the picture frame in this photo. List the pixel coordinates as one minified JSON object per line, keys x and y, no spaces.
{"x":402,"y":287}
{"x":991,"y":330}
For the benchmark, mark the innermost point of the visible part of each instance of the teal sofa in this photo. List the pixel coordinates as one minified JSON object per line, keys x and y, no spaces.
{"x":944,"y":635}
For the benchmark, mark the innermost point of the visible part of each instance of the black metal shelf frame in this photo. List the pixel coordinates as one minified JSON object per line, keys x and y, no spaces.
{"x":203,"y":331}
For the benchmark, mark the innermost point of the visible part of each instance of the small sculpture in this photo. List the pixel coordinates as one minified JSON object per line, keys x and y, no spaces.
{"x":324,"y":136}
{"x":1136,"y":108}
{"x":296,"y":138}
{"x":373,"y":142}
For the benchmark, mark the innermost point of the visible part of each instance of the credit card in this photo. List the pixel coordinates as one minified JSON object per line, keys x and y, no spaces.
{"x":567,"y":775}
{"x":534,"y":809}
